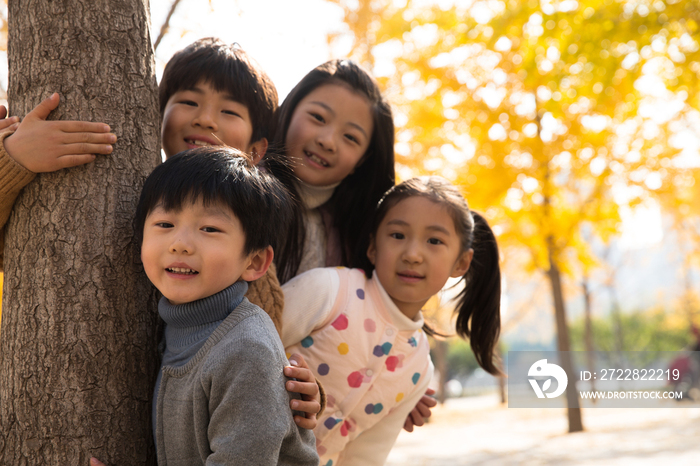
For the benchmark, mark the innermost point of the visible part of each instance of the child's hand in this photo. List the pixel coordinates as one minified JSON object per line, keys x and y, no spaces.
{"x":96,"y":462}
{"x":310,"y":402}
{"x":422,"y":411}
{"x":46,"y":146}
{"x":7,"y":122}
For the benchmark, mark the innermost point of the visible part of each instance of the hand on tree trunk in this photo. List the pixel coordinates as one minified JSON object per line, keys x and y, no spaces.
{"x":45,"y":146}
{"x":12,"y":122}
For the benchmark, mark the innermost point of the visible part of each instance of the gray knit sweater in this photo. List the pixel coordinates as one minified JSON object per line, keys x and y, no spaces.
{"x":227,"y":403}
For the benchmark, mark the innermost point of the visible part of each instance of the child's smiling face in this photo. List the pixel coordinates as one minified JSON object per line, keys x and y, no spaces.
{"x":194,"y":252}
{"x":204,"y":116}
{"x":415,"y":250}
{"x":329,"y":132}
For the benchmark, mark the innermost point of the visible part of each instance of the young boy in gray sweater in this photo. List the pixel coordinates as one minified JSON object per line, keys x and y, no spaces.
{"x":208,"y":222}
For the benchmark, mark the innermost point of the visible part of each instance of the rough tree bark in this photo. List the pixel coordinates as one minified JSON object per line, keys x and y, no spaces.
{"x":78,"y":341}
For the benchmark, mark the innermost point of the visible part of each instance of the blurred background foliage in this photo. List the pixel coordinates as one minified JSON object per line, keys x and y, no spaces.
{"x":549,"y":115}
{"x":553,"y":117}
{"x":655,"y":329}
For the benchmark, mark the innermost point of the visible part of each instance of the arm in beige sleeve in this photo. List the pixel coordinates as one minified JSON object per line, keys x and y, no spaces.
{"x":308,"y":302}
{"x":13,"y":177}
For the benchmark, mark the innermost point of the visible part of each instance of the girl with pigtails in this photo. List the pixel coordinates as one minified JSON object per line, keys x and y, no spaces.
{"x":361,"y":330}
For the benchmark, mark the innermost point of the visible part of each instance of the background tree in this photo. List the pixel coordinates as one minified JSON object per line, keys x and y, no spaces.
{"x":650,"y":330}
{"x":78,"y":341}
{"x":551,"y":108}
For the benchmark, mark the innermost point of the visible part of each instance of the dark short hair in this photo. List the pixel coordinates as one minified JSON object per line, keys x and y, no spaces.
{"x":227,"y":68}
{"x":219,"y":175}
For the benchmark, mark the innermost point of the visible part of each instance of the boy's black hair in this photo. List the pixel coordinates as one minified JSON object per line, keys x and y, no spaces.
{"x":218,"y":174}
{"x":227,"y":68}
{"x":478,"y":304}
{"x":358,"y":193}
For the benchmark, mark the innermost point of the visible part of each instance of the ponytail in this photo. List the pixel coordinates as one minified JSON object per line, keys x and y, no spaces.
{"x":479,"y":303}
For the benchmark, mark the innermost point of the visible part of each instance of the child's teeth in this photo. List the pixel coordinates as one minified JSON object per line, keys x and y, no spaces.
{"x":181,"y":270}
{"x":199,"y":143}
{"x":318,"y":160}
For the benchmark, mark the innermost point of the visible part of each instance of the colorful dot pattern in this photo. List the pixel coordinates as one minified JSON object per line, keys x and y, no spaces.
{"x":394,"y":362}
{"x":367,"y":366}
{"x":374,"y":408}
{"x":341,"y":323}
{"x":331,"y":422}
{"x":382,"y":350}
{"x":307,"y":342}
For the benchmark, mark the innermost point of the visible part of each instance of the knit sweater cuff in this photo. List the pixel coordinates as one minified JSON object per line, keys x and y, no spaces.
{"x":13,"y":176}
{"x":324,"y":398}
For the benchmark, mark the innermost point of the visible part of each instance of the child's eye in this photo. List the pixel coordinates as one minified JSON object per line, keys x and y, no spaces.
{"x":164,"y":225}
{"x":231,"y":112}
{"x":317,"y":117}
{"x":352,"y":138}
{"x":434,"y":241}
{"x":190,"y":103}
{"x":210,"y":229}
{"x":397,"y":235}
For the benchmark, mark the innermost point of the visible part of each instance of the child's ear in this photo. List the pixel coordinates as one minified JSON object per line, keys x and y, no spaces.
{"x":462,"y":264}
{"x":257,"y":150}
{"x":258,"y":263}
{"x":372,"y":251}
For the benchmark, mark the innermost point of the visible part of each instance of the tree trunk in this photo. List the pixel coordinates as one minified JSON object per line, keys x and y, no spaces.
{"x":78,"y":342}
{"x":501,"y":379}
{"x":617,"y":320}
{"x":564,"y":347}
{"x":615,"y":308}
{"x":440,"y":352}
{"x":588,"y":332}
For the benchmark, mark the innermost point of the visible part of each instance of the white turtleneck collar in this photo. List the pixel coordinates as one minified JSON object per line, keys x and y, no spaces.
{"x":315,"y":196}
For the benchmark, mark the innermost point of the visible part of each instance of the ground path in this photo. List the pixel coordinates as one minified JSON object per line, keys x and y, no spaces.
{"x":480,"y":431}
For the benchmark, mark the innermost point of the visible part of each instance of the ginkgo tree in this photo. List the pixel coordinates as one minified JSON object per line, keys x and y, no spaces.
{"x":549,"y":114}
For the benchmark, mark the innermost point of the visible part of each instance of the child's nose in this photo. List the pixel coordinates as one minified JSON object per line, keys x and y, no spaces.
{"x":413,"y":253}
{"x":182,"y":245}
{"x":205,"y":118}
{"x":326,"y":140}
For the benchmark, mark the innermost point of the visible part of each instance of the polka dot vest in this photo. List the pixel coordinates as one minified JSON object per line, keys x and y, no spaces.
{"x":366,"y":364}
